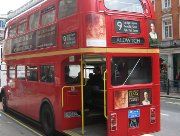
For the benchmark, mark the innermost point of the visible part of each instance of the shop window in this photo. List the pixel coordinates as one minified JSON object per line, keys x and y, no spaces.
{"x":47,"y":73}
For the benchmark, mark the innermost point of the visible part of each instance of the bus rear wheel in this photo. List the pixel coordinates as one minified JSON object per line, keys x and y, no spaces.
{"x":47,"y":120}
{"x":4,"y":102}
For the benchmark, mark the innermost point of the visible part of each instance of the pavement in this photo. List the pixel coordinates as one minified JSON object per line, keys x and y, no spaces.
{"x":171,"y":95}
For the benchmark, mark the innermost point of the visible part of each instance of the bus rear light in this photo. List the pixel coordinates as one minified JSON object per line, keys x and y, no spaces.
{"x":152,"y":115}
{"x":113,"y":120}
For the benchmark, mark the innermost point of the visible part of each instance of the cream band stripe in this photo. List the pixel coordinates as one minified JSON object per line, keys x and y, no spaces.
{"x":84,"y":50}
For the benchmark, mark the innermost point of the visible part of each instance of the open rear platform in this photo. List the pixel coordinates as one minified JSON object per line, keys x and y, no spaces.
{"x":90,"y":130}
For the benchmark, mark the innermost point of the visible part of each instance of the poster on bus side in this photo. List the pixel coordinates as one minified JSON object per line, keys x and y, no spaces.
{"x":95,"y":30}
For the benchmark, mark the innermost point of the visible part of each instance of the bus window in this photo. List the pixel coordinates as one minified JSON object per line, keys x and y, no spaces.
{"x":128,"y":71}
{"x":124,"y":5}
{"x":22,"y":27}
{"x":21,"y":70}
{"x":34,"y":21}
{"x":67,"y":8}
{"x":48,"y":15}
{"x":12,"y":31}
{"x":12,"y":72}
{"x":47,"y":73}
{"x":72,"y":74}
{"x":32,"y":73}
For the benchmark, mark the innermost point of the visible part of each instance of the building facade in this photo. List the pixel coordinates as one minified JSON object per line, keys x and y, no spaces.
{"x":168,"y":29}
{"x":2,"y":66}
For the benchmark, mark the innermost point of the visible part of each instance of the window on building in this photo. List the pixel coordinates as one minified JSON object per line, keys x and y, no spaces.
{"x":34,"y":21}
{"x":2,"y":24}
{"x":48,"y":15}
{"x":67,"y":8}
{"x":12,"y":72}
{"x":32,"y":73}
{"x":47,"y":73}
{"x":72,"y":74}
{"x":22,"y":27}
{"x":21,"y":70}
{"x":12,"y":30}
{"x":166,"y":4}
{"x":167,"y":28}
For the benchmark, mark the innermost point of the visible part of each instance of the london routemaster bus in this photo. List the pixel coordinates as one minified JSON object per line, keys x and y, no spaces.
{"x":84,"y":67}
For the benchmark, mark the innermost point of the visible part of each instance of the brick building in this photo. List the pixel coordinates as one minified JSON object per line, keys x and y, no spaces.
{"x":168,"y":30}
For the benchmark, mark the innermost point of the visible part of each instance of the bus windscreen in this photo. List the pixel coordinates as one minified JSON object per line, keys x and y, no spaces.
{"x":124,"y":5}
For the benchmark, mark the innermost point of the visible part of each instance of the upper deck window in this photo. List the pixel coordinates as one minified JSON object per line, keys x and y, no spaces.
{"x":12,"y":31}
{"x":67,"y":8}
{"x":22,"y":27}
{"x":124,"y":5}
{"x":34,"y":21}
{"x":48,"y":15}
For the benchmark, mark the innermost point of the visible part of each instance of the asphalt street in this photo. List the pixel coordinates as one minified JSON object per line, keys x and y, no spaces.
{"x":170,"y":117}
{"x":170,"y":122}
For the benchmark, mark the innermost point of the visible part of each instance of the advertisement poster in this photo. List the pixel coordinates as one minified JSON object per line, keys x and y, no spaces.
{"x":153,"y":37}
{"x":145,"y":97}
{"x":120,"y":99}
{"x":134,"y":98}
{"x":96,"y":32}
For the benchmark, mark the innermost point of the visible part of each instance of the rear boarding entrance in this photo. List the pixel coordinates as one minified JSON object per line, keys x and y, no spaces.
{"x":87,"y":99}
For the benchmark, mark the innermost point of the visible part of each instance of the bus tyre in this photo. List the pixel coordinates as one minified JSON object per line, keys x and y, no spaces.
{"x":4,"y":102}
{"x":47,"y":120}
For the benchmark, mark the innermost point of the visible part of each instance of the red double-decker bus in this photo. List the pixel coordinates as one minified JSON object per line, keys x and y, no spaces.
{"x":84,"y":67}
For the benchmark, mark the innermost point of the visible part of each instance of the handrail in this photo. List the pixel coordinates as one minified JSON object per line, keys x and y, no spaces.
{"x":105,"y":104}
{"x":62,"y":100}
{"x":82,"y":96}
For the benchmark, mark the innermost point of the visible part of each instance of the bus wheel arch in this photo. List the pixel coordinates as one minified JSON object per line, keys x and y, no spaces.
{"x":47,"y":117}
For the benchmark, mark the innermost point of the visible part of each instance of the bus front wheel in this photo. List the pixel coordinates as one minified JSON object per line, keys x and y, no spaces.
{"x":4,"y":102}
{"x":47,"y":120}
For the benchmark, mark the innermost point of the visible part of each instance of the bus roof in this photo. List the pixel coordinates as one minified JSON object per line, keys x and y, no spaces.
{"x":24,"y":9}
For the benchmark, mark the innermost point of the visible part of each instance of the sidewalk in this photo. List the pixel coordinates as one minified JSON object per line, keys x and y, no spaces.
{"x":171,"y":95}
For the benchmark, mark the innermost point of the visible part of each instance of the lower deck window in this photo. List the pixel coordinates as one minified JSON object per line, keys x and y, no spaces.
{"x":129,"y":71}
{"x":72,"y":74}
{"x":47,"y":73}
{"x":32,"y":73}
